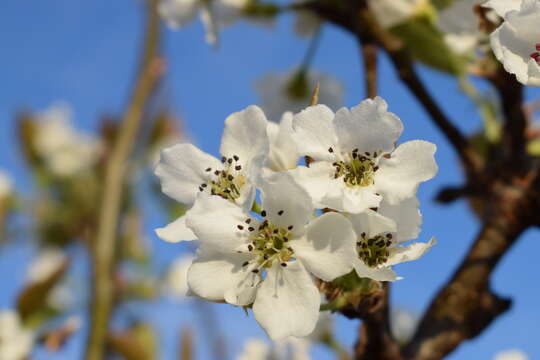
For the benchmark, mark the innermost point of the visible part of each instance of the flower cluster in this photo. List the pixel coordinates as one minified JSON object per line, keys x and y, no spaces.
{"x":516,"y":42}
{"x":349,"y":208}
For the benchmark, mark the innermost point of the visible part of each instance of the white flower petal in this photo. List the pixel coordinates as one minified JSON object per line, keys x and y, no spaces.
{"x":178,"y":13}
{"x":245,"y":136}
{"x":176,"y":231}
{"x":372,"y":223}
{"x":350,"y":199}
{"x":283,"y":152}
{"x":314,"y":133}
{"x":215,"y":221}
{"x":328,"y":249}
{"x":213,"y":275}
{"x":502,"y":7}
{"x":407,"y":216}
{"x":399,"y":176}
{"x":380,"y":274}
{"x":367,"y":127}
{"x":286,"y":203}
{"x":181,"y":170}
{"x":411,"y":252}
{"x":287,"y":302}
{"x":315,"y":179}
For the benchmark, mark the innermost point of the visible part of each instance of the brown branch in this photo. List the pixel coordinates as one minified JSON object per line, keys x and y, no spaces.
{"x":513,"y":135}
{"x":375,"y":338}
{"x":103,"y":249}
{"x":369,"y":56}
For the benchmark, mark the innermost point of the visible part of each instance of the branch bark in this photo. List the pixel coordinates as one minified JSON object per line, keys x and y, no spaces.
{"x":369,"y":56}
{"x":103,"y":249}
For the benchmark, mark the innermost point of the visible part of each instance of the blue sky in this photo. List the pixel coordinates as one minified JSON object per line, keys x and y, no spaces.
{"x":84,"y":53}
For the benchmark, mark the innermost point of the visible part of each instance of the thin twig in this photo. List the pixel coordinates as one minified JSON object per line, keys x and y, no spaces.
{"x":369,"y":56}
{"x":103,"y":250}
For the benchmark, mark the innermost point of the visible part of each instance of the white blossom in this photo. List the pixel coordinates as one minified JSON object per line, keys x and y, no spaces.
{"x":176,"y":280}
{"x":513,"y":354}
{"x":380,"y":235}
{"x":516,"y":43}
{"x":390,"y":13}
{"x":501,"y":7}
{"x":244,"y":260}
{"x":283,"y":154}
{"x":15,"y":341}
{"x":6,"y":185}
{"x":355,"y":162}
{"x":215,"y":14}
{"x":64,"y":150}
{"x":48,"y":262}
{"x":184,"y":170}
{"x":403,"y":323}
{"x":292,"y":91}
{"x":460,"y":27}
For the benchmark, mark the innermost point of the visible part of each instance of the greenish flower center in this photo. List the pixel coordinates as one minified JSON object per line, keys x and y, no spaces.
{"x":374,"y":251}
{"x":226,"y":182}
{"x":269,"y":243}
{"x":358,"y":169}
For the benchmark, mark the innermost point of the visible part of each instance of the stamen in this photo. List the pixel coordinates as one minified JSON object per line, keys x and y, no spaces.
{"x":374,"y":251}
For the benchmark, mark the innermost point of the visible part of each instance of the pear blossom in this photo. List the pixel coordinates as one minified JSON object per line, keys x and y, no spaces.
{"x":65,"y":150}
{"x":292,"y":91}
{"x":355,"y":162}
{"x":390,"y":13}
{"x":283,"y":154}
{"x":176,"y":281}
{"x":215,"y":14}
{"x":380,"y":235}
{"x":246,"y":260}
{"x":460,"y":27}
{"x":501,"y":7}
{"x":48,"y":262}
{"x":513,"y":354}
{"x":15,"y":341}
{"x":184,"y":170}
{"x":6,"y":185}
{"x":403,"y":323}
{"x":516,"y":42}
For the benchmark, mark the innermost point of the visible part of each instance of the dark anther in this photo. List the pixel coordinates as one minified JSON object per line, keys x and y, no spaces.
{"x":280,"y":212}
{"x":355,"y":150}
{"x":290,"y":227}
{"x":240,"y":227}
{"x":236,"y":157}
{"x":230,"y":177}
{"x":229,"y":160}
{"x":251,"y":228}
{"x":367,"y":154}
{"x":256,"y":271}
{"x":238,"y":167}
{"x":330,"y":150}
{"x":200,"y":188}
{"x":248,"y":220}
{"x":250,"y":247}
{"x":263,"y":213}
{"x":216,"y":172}
{"x":283,"y":264}
{"x":285,"y":239}
{"x":209,"y":169}
{"x":363,"y":234}
{"x":389,"y":236}
{"x":375,"y":168}
{"x":223,"y":159}
{"x":276,"y":231}
{"x":244,"y":264}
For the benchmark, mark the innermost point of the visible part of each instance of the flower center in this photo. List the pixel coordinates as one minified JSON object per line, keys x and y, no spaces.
{"x":374,"y":251}
{"x":358,"y":170}
{"x":536,"y":55}
{"x":228,"y":181}
{"x":268,"y":243}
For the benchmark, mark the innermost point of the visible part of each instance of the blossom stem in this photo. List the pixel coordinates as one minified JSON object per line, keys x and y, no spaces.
{"x":103,"y":248}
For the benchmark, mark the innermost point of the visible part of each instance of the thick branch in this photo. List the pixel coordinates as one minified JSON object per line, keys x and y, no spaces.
{"x":513,"y":135}
{"x":103,"y":250}
{"x":466,"y":305}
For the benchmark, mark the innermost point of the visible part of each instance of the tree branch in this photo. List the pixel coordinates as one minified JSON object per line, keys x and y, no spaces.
{"x":103,"y":250}
{"x":369,"y":56}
